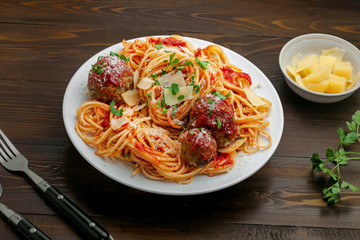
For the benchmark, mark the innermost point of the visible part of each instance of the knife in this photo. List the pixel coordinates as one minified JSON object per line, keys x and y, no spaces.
{"x":22,"y":224}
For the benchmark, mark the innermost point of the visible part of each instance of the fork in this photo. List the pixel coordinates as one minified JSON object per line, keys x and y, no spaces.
{"x":13,"y":160}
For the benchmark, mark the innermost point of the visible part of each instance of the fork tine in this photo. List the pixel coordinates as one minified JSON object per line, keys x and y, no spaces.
{"x":9,"y":148}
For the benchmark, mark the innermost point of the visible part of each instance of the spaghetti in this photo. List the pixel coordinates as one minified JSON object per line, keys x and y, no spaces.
{"x":147,"y":133}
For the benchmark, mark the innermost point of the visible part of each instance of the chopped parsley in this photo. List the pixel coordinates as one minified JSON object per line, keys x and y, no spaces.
{"x":164,"y":110}
{"x":196,"y":88}
{"x":98,"y":68}
{"x":149,"y":96}
{"x":219,"y":123}
{"x":188,"y":63}
{"x":212,"y":103}
{"x":156,"y":82}
{"x":159,"y":45}
{"x":154,"y":76}
{"x":114,"y":111}
{"x":181,"y":97}
{"x":174,"y":88}
{"x":174,"y":111}
{"x":122,"y":57}
{"x":127,"y":155}
{"x":202,"y":64}
{"x":217,"y":94}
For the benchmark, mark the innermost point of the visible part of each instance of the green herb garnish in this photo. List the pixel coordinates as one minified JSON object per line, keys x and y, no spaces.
{"x":149,"y":96}
{"x":98,"y":68}
{"x":174,"y":88}
{"x":202,"y":64}
{"x":212,"y":103}
{"x":340,"y":158}
{"x":217,"y":94}
{"x":122,"y":57}
{"x":159,"y":45}
{"x":181,"y":97}
{"x":219,"y":123}
{"x":114,"y":111}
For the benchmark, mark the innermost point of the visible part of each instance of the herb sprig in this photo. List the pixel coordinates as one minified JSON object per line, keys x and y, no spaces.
{"x":114,"y":111}
{"x":340,"y":158}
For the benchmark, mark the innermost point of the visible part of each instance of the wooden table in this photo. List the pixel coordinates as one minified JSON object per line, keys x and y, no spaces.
{"x":43,"y":43}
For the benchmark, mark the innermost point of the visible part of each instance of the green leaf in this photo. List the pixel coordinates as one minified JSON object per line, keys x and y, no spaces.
{"x":356,"y":117}
{"x":181,"y":97}
{"x":114,"y":54}
{"x":202,"y":64}
{"x":196,"y":88}
{"x":330,"y":154}
{"x":328,"y":171}
{"x":219,"y":123}
{"x":211,"y":107}
{"x":341,"y":157}
{"x":217,"y":94}
{"x":174,"y":88}
{"x":159,"y":45}
{"x":351,"y":126}
{"x":316,"y":161}
{"x":353,"y":188}
{"x":347,"y":138}
{"x":188,"y":63}
{"x":333,"y":199}
{"x":114,"y":111}
{"x":149,"y":96}
{"x":345,"y":184}
{"x":122,"y":57}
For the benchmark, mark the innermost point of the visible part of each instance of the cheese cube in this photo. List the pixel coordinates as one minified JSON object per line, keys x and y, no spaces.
{"x":337,"y":84}
{"x":317,"y":87}
{"x":307,"y":65}
{"x":327,"y":61}
{"x":291,"y":71}
{"x":319,"y":75}
{"x":343,"y":69}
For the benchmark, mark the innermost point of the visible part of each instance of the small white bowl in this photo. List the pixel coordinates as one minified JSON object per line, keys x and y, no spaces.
{"x":314,"y":43}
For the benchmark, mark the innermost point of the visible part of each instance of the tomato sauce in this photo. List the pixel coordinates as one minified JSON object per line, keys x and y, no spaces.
{"x":222,"y":160}
{"x":171,"y":41}
{"x":230,"y":74}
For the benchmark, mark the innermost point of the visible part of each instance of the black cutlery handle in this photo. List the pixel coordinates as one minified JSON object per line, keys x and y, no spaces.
{"x":92,"y":229}
{"x":30,"y":231}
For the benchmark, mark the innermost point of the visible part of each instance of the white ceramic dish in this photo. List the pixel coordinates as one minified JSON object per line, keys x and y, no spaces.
{"x":246,"y":165}
{"x":314,"y":43}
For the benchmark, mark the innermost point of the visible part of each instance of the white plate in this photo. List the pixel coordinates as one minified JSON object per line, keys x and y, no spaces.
{"x":246,"y":165}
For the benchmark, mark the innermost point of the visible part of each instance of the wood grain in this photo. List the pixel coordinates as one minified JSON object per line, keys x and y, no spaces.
{"x":43,"y":43}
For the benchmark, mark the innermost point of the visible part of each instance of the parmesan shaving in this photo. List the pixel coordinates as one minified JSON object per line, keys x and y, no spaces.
{"x":117,"y":123}
{"x":136,"y":78}
{"x":138,"y":107}
{"x":171,"y":78}
{"x":131,"y":97}
{"x":145,"y":83}
{"x":171,"y":99}
{"x":254,"y":99}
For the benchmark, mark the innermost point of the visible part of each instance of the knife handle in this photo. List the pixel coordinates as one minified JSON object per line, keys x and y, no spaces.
{"x":92,"y":229}
{"x":30,"y":231}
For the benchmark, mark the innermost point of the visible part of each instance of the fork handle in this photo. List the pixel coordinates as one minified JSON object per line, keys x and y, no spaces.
{"x":92,"y":229}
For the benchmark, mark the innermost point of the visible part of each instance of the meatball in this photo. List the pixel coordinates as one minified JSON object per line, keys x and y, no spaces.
{"x":198,"y":147}
{"x":217,"y":115}
{"x":109,"y":77}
